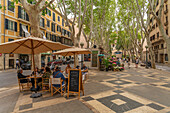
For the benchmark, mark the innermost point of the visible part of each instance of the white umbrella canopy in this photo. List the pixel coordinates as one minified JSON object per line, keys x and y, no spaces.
{"x":72,"y":51}
{"x":31,"y":45}
{"x":24,"y":46}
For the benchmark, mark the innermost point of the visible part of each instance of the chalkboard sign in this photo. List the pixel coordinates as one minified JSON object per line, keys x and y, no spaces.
{"x":74,"y":80}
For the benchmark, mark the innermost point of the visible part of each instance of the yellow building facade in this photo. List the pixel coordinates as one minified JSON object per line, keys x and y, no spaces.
{"x":14,"y":24}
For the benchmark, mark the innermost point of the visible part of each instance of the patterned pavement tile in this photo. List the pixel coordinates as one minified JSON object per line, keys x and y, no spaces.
{"x":155,"y":106}
{"x":167,"y":85}
{"x":118,"y":91}
{"x":126,"y":103}
{"x":26,"y":106}
{"x":119,"y":82}
{"x":88,"y":98}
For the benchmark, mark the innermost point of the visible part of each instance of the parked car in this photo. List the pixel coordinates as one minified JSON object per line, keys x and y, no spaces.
{"x":26,"y":66}
{"x":58,"y":61}
{"x":64,"y":61}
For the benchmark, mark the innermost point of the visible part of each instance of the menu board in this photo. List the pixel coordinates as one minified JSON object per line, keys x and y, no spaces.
{"x":74,"y":80}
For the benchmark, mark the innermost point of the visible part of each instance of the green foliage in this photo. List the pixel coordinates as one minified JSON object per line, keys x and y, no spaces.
{"x":106,"y":62}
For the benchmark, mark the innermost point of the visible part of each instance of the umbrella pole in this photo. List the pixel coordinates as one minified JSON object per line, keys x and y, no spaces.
{"x":34,"y":95}
{"x":34,"y":64}
{"x":74,"y":60}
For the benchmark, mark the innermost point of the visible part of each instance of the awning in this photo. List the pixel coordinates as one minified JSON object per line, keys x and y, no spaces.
{"x":27,"y":34}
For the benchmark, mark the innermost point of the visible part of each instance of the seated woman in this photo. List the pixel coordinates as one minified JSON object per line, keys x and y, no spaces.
{"x":58,"y":74}
{"x":85,"y":70}
{"x":21,"y":76}
{"x":67,"y":68}
{"x":47,"y":74}
{"x":37,"y":73}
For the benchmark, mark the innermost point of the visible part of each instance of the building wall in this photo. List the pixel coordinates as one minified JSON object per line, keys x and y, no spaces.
{"x":158,"y":43}
{"x":15,"y":34}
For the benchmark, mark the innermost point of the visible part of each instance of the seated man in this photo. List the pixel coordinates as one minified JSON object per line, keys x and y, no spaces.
{"x":21,"y":76}
{"x":58,"y":74}
{"x":85,"y":70}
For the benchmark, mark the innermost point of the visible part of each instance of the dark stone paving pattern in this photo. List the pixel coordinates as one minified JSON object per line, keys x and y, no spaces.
{"x":94,"y":88}
{"x":141,"y":79}
{"x":155,"y":106}
{"x":88,"y":98}
{"x":129,"y":105}
{"x":26,"y":106}
{"x":167,"y":85}
{"x":122,"y":82}
{"x":76,"y":107}
{"x":8,"y":103}
{"x":156,"y":94}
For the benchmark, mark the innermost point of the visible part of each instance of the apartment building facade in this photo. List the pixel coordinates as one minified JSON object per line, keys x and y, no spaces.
{"x":14,"y":24}
{"x":158,"y":43}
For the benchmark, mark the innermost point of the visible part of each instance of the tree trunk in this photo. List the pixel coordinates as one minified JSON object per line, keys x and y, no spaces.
{"x":152,"y":55}
{"x":34,"y":19}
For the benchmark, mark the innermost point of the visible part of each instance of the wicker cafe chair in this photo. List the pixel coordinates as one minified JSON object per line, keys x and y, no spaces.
{"x":24,"y":86}
{"x":57,"y":81}
{"x":46,"y":84}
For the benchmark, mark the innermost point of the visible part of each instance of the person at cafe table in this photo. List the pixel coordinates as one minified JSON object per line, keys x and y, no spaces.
{"x":85,"y":70}
{"x":20,"y":76}
{"x":57,"y":74}
{"x":67,"y":68}
{"x":37,"y":74}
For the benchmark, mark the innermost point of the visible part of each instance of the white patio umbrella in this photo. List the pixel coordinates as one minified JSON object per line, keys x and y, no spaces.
{"x":72,"y":51}
{"x":31,"y":45}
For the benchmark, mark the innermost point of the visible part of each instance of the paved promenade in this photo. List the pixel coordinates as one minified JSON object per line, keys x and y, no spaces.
{"x":134,"y":90}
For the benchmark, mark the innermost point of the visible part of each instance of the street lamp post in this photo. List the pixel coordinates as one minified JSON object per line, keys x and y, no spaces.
{"x":146,"y":57}
{"x":81,"y":44}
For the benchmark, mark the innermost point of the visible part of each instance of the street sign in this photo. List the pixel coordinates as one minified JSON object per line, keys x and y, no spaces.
{"x":0,"y":54}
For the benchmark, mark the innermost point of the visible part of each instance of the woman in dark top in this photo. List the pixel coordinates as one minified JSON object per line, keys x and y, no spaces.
{"x":37,"y":73}
{"x":20,"y":76}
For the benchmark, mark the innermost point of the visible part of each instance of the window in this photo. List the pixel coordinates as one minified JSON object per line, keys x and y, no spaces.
{"x":9,"y":39}
{"x":42,"y":22}
{"x":22,"y":14}
{"x":166,"y":18}
{"x":48,"y":23}
{"x":53,"y":27}
{"x":162,"y":46}
{"x":166,"y":57}
{"x":62,"y":31}
{"x":58,"y":28}
{"x":10,"y":5}
{"x":158,"y":35}
{"x":22,"y":33}
{"x":167,"y":31}
{"x":48,"y":12}
{"x":62,"y":22}
{"x":156,"y":25}
{"x":11,"y":25}
{"x":166,"y":7}
{"x":153,"y":37}
{"x":53,"y":16}
{"x":48,"y":36}
{"x":58,"y":18}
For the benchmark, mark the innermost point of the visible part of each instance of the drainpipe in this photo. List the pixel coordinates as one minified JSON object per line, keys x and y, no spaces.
{"x":4,"y":32}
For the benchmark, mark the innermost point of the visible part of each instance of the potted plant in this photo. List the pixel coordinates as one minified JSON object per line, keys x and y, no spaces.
{"x":113,"y":65}
{"x":106,"y":63}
